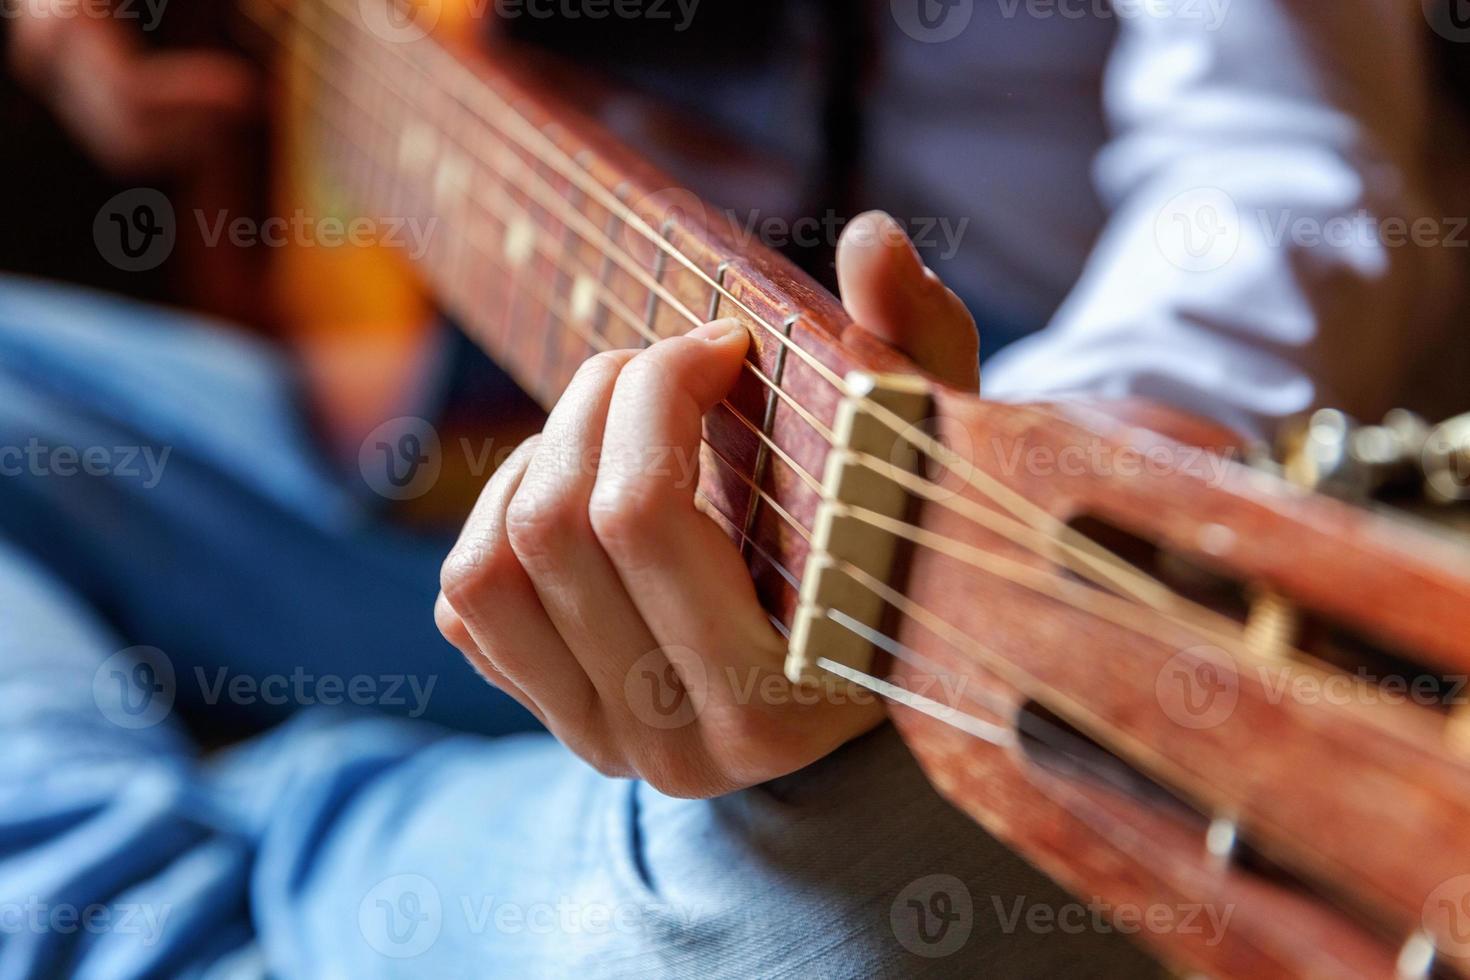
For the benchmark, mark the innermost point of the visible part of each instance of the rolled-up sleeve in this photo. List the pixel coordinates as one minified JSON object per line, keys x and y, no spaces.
{"x":1274,"y":242}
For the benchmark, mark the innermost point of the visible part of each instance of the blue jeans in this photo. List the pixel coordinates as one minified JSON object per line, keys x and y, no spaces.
{"x":173,"y":556}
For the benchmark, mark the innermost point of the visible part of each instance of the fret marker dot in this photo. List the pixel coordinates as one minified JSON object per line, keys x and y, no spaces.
{"x":520,"y":241}
{"x":451,"y":180}
{"x":584,"y":298}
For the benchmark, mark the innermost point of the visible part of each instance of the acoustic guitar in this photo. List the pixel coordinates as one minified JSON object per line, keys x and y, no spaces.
{"x":1174,"y":681}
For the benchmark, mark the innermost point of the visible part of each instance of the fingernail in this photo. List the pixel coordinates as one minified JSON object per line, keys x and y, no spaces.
{"x":718,"y":330}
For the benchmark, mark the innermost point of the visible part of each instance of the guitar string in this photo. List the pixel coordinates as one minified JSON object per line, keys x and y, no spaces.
{"x":566,"y":166}
{"x":1103,"y":567}
{"x":638,"y":326}
{"x":590,"y":232}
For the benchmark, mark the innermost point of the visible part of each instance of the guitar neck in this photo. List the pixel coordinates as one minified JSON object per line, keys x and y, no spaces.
{"x":549,"y":241}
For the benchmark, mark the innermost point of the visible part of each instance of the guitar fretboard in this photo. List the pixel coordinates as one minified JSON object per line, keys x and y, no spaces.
{"x":549,"y":242}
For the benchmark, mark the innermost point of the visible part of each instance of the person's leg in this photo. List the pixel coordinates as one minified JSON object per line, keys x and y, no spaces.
{"x":510,"y":858}
{"x":346,"y":846}
{"x":158,"y":465}
{"x":94,"y":792}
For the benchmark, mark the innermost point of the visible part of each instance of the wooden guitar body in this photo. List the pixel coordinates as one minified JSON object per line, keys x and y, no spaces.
{"x":1122,"y":655}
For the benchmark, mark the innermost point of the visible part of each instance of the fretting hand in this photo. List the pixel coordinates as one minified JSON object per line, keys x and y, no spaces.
{"x":601,"y":598}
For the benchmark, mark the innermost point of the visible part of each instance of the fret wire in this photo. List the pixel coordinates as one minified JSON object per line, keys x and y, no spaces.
{"x":555,"y":340}
{"x":603,"y":275}
{"x":763,"y":456}
{"x":806,"y":477}
{"x":785,"y":514}
{"x":611,"y":251}
{"x":480,"y":89}
{"x":650,"y":313}
{"x":488,"y":252}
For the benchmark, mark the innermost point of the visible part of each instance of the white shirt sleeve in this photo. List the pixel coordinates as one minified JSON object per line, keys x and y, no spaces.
{"x":1266,"y":250}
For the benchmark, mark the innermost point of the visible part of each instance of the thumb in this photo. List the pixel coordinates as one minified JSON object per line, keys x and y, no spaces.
{"x":889,"y":291}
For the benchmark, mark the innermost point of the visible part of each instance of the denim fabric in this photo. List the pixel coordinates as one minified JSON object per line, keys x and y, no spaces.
{"x":348,"y":843}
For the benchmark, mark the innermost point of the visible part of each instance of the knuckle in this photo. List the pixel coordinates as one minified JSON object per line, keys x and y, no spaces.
{"x":474,"y":571}
{"x":544,"y":522}
{"x":648,"y":370}
{"x":624,"y":517}
{"x":603,"y":367}
{"x":451,"y":626}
